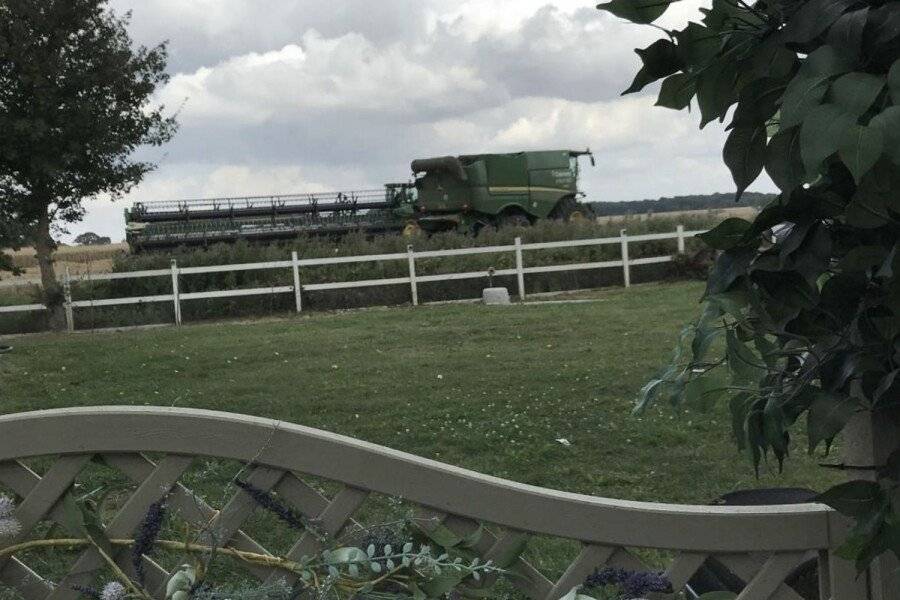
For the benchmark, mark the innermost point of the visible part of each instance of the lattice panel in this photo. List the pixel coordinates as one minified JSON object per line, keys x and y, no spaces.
{"x":287,"y":459}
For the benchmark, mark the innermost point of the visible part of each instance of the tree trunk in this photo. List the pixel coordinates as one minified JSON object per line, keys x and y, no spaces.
{"x":53,"y":293}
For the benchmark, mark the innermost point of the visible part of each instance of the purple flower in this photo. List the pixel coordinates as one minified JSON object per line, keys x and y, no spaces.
{"x":632,"y":583}
{"x":146,"y":536}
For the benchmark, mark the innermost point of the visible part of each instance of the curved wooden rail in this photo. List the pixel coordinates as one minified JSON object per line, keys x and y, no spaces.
{"x":762,"y":544}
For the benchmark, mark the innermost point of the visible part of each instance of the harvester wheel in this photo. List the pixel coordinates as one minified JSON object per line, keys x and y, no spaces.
{"x":412,"y":229}
{"x":570,"y":210}
{"x":515,"y":219}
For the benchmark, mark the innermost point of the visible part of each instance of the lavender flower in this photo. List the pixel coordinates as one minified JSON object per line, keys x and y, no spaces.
{"x":87,"y":592}
{"x":9,"y":526}
{"x":148,"y":532}
{"x":632,"y":583}
{"x":267,"y":501}
{"x":7,"y":506}
{"x":113,"y":591}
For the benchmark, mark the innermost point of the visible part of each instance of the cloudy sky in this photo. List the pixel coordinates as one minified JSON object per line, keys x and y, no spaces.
{"x":284,"y":96}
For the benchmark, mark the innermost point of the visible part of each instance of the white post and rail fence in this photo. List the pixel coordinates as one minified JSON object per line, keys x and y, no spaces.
{"x":298,"y":289}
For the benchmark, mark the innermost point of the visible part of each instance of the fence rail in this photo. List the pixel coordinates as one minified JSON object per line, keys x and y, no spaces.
{"x":410,"y":256}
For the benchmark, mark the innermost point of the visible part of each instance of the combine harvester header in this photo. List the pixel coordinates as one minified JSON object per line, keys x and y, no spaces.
{"x":461,"y":193}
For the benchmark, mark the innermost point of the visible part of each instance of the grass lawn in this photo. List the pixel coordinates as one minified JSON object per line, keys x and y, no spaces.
{"x":491,"y":389}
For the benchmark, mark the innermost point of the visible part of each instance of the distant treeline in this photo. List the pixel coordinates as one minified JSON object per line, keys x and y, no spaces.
{"x":680,"y":203}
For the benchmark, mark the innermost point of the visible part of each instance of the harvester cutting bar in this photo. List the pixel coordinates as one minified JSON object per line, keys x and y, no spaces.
{"x":260,"y":206}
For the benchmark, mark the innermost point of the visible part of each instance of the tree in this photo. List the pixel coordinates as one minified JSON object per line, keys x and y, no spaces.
{"x":89,"y":238}
{"x":804,"y":302}
{"x":74,"y":106}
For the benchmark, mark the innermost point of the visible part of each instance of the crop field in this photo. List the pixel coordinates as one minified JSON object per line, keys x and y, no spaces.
{"x":491,"y":389}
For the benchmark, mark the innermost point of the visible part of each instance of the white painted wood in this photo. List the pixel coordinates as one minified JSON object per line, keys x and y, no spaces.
{"x":298,"y":289}
{"x":121,"y":301}
{"x":232,"y":268}
{"x":346,"y":285}
{"x":520,"y":269}
{"x":626,"y":269}
{"x":651,"y":260}
{"x":175,"y":298}
{"x":460,"y":276}
{"x":464,"y":251}
{"x":130,"y":275}
{"x":681,"y":245}
{"x":570,"y":243}
{"x":22,"y":308}
{"x":284,"y":289}
{"x":413,"y":286}
{"x":574,"y":267}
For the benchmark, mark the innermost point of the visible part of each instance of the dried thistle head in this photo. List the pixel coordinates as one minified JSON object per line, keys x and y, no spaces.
{"x":113,"y":591}
{"x":9,"y":528}
{"x":7,"y":506}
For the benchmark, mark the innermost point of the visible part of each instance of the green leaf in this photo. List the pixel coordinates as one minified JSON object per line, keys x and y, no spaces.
{"x":855,"y":92}
{"x":700,"y":392}
{"x":888,"y":122}
{"x":861,"y":149}
{"x":677,"y":91}
{"x":894,"y":82}
{"x":801,"y":96}
{"x":443,"y":537}
{"x":739,"y":407}
{"x":660,"y":59}
{"x":716,"y":91}
{"x":822,"y":133}
{"x":813,"y":18}
{"x":728,"y":268}
{"x":784,"y":164}
{"x":854,"y":499}
{"x":847,"y":32}
{"x":743,"y":363}
{"x":727,"y":234}
{"x":862,"y":258}
{"x":828,"y":415}
{"x":875,"y":198}
{"x":698,"y":45}
{"x":745,"y":155}
{"x":637,"y":11}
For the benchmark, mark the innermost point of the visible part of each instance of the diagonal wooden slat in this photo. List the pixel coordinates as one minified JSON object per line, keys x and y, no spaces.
{"x":746,"y":566}
{"x":770,"y":578}
{"x":156,"y":486}
{"x":301,"y":496}
{"x":523,"y":575}
{"x":588,"y":560}
{"x":240,"y":507}
{"x":26,"y":582}
{"x":683,"y":568}
{"x":331,"y":521}
{"x":183,"y":501}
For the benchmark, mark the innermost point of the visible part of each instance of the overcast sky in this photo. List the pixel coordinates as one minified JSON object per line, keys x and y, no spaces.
{"x":284,"y":96}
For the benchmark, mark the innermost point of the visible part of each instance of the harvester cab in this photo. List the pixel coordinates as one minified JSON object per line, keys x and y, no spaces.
{"x":471,"y":191}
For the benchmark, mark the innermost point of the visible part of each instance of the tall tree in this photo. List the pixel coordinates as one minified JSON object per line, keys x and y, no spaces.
{"x":75,"y":103}
{"x":805,"y":300}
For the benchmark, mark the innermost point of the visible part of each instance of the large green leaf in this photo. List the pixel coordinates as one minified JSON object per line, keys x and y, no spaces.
{"x":875,"y":198}
{"x":697,"y":45}
{"x":745,"y":155}
{"x":847,"y":32}
{"x":813,"y":18}
{"x":660,"y":59}
{"x":743,"y":363}
{"x":784,"y":164}
{"x":637,"y":11}
{"x":861,"y":149}
{"x":855,"y":92}
{"x":677,"y":90}
{"x":822,"y":133}
{"x":854,"y":498}
{"x":828,"y":415}
{"x":888,"y":121}
{"x":802,"y":94}
{"x":716,"y":91}
{"x":727,"y":234}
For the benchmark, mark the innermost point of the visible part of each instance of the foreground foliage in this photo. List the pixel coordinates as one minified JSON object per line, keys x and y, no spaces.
{"x":807,"y":296}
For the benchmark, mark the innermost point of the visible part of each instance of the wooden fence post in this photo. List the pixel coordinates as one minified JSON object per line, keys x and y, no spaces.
{"x":626,"y":268}
{"x":67,"y":294}
{"x":298,"y":290}
{"x":520,"y":269}
{"x":681,"y":244}
{"x":176,"y":298}
{"x":413,"y":286}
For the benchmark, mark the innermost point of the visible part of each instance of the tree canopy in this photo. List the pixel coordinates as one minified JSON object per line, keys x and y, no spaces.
{"x":804,"y":302}
{"x":75,"y":103}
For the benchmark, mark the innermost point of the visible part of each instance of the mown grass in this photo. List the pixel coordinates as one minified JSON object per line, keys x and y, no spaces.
{"x":484,"y":388}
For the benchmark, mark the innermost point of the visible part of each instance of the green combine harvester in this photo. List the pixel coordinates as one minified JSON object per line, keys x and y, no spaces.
{"x":462,"y":193}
